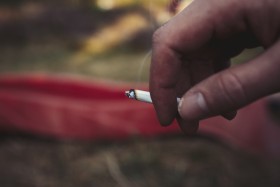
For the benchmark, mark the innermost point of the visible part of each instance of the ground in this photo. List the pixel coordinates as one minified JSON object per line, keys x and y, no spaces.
{"x":166,"y":161}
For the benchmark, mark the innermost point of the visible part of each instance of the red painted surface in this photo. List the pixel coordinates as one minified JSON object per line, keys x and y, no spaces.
{"x":74,"y":108}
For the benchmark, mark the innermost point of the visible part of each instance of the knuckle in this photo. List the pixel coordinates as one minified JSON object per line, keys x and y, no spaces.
{"x":156,"y":36}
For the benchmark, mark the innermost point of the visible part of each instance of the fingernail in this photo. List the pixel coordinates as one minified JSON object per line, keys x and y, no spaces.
{"x":193,"y":107}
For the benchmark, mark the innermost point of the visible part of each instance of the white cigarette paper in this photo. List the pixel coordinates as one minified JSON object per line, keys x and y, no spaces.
{"x":141,"y":95}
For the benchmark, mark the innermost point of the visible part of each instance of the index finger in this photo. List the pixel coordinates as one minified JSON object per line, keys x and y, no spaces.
{"x":184,"y":33}
{"x":163,"y":80}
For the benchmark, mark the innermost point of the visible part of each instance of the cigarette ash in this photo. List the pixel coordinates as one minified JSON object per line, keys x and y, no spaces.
{"x":130,"y":94}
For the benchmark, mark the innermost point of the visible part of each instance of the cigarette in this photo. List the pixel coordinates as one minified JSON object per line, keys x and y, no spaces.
{"x":141,"y":95}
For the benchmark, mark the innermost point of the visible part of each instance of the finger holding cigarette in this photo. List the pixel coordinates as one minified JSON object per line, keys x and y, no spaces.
{"x":145,"y":96}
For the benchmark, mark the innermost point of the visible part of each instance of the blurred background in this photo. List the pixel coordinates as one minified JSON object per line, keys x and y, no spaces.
{"x":108,"y":39}
{"x":102,"y":38}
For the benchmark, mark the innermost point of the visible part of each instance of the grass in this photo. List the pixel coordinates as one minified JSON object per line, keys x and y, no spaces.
{"x":123,"y":66}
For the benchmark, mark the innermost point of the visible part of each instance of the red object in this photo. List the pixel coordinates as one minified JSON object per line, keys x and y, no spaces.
{"x":67,"y":107}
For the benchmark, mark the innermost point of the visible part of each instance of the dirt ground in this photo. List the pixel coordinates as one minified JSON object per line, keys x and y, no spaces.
{"x":166,"y":161}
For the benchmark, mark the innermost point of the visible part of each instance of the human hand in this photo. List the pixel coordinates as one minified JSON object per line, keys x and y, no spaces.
{"x":191,"y":55}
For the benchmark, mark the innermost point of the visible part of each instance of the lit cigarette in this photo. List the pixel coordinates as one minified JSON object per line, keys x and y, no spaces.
{"x":141,"y":95}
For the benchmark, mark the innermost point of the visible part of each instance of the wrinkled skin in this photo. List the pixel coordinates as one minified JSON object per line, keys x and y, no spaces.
{"x":191,"y":55}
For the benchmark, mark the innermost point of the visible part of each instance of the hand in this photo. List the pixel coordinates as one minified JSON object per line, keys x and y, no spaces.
{"x":191,"y":59}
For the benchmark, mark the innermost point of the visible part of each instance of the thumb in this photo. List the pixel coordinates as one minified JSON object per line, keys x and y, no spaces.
{"x":233,"y":88}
